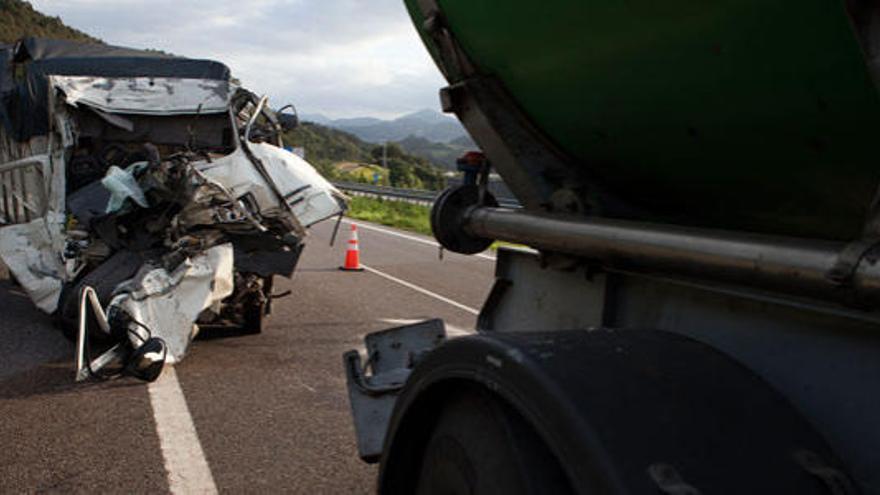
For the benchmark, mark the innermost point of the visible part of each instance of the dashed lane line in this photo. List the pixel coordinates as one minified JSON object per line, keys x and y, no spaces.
{"x":422,"y":290}
{"x":185,"y":462}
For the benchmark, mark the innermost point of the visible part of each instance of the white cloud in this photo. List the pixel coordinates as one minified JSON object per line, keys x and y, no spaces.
{"x":338,"y":57}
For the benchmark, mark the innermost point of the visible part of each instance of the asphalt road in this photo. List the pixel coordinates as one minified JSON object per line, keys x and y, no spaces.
{"x":270,"y":411}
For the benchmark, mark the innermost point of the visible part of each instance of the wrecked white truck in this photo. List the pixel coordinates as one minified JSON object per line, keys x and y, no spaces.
{"x":144,"y":195}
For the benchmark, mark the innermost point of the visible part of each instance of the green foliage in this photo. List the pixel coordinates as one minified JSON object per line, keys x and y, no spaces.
{"x":409,"y":171}
{"x":366,"y":173}
{"x":326,"y":147}
{"x":397,"y":214}
{"x":326,"y":144}
{"x":19,"y":19}
{"x":400,"y":215}
{"x":443,"y":155}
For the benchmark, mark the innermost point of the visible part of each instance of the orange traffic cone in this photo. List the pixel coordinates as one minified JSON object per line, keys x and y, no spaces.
{"x":353,"y":253}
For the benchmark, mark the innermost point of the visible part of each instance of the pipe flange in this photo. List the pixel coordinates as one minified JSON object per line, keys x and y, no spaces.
{"x":448,"y":219}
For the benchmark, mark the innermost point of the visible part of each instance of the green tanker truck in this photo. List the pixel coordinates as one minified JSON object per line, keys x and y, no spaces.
{"x":698,"y":309}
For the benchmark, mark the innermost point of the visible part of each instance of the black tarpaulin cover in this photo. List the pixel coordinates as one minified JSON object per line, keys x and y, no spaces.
{"x":24,"y":109}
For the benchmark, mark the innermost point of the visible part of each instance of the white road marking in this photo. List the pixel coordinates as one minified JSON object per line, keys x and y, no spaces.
{"x":451,"y":330}
{"x":305,"y":385}
{"x":185,"y":463}
{"x":367,"y":226}
{"x":422,"y":290}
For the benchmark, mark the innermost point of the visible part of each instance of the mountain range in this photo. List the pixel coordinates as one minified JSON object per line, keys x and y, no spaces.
{"x":427,"y":124}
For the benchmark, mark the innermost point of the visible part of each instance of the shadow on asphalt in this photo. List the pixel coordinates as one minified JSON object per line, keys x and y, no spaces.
{"x":209,"y":332}
{"x":34,"y":357}
{"x":56,"y":378}
{"x":27,"y":335}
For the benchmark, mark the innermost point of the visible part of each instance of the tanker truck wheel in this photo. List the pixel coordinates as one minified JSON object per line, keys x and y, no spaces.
{"x":480,"y":445}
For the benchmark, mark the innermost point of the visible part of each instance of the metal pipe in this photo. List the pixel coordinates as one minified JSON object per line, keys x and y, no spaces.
{"x":88,"y":296}
{"x":795,"y":266}
{"x":24,"y":194}
{"x":13,"y":195}
{"x":250,"y":123}
{"x":7,"y":216}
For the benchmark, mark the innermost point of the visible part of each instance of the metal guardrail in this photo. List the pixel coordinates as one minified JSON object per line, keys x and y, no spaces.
{"x":411,"y":195}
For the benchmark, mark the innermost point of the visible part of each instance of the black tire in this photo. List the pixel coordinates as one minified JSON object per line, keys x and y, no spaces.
{"x":480,"y":445}
{"x":253,"y":318}
{"x":257,"y":310}
{"x":104,"y":279}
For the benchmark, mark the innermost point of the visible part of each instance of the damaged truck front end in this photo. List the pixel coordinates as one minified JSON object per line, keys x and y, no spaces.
{"x":144,"y":196}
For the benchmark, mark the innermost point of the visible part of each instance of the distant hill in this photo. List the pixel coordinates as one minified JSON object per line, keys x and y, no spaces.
{"x":325,"y":144}
{"x":427,"y":124}
{"x":441,"y":154}
{"x":19,"y":19}
{"x":356,"y":123}
{"x":327,"y":148}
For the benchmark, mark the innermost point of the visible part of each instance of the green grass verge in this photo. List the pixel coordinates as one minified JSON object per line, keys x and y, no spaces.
{"x":406,"y":216}
{"x":401,"y":215}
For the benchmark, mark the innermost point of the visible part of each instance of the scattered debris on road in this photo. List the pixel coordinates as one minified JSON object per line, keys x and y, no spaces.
{"x":156,"y":181}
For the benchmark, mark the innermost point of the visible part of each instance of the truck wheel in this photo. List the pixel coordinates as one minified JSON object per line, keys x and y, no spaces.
{"x":482,"y":446}
{"x":253,"y":317}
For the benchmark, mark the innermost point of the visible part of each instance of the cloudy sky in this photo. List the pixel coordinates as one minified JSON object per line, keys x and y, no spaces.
{"x":342,"y":58}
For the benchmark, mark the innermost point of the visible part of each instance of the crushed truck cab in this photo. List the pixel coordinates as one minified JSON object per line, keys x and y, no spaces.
{"x":156,"y":180}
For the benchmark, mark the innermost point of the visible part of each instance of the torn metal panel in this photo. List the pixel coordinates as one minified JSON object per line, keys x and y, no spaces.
{"x":311,"y":197}
{"x":169,"y":303}
{"x":30,"y":251}
{"x":145,"y":95}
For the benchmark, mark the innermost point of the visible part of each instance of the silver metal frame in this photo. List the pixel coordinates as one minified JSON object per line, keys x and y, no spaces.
{"x":83,"y":370}
{"x":17,"y":203}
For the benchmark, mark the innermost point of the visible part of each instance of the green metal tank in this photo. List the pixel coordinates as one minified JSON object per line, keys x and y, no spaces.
{"x":732,"y":114}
